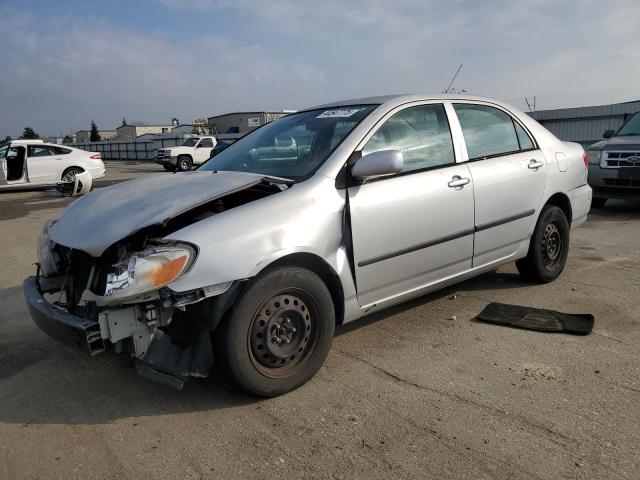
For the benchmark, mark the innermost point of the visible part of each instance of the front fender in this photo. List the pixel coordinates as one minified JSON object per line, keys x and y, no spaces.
{"x":239,"y":243}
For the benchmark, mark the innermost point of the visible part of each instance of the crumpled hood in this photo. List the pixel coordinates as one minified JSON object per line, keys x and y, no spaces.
{"x":101,"y":218}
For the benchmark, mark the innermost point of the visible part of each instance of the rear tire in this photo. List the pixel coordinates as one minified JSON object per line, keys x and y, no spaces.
{"x":279,"y":332}
{"x":548,"y":248}
{"x":598,"y":202}
{"x":184,"y":163}
{"x":69,"y":175}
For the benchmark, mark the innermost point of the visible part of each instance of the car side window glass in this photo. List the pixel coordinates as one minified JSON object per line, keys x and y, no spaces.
{"x":523,"y":137}
{"x":487,"y":130}
{"x":38,"y":151}
{"x":59,"y":150}
{"x":421,"y":133}
{"x":205,"y":142}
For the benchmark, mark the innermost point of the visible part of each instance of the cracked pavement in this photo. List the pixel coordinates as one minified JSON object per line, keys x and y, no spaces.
{"x":418,"y":391}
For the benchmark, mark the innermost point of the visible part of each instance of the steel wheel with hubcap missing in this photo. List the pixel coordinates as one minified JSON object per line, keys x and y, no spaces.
{"x":282,"y":335}
{"x":551,"y":246}
{"x":548,"y":247}
{"x":279,"y":332}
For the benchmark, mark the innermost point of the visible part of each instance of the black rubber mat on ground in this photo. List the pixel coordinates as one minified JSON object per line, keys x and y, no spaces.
{"x":537,"y":319}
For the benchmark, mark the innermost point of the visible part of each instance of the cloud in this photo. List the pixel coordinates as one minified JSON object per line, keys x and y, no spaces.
{"x":58,"y":75}
{"x":61,"y":71}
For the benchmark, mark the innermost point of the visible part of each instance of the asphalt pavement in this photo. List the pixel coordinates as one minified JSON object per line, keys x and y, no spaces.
{"x":419,"y":391}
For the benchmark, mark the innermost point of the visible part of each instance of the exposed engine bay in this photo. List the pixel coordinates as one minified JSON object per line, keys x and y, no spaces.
{"x":122,"y":301}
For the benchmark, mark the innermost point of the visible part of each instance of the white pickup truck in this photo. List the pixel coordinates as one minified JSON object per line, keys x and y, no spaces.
{"x":193,"y":151}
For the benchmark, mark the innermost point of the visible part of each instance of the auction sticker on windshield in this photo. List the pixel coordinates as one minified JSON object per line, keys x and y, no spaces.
{"x":340,"y":113}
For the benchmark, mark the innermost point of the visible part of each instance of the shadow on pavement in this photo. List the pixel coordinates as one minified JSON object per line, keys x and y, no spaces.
{"x":43,"y":381}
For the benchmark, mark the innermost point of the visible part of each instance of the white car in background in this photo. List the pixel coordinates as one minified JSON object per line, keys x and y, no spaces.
{"x":33,"y":162}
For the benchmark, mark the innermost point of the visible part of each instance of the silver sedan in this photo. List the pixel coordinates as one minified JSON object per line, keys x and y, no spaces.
{"x":308,"y":222}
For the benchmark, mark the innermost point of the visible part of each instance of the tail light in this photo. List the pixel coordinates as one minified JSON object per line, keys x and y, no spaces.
{"x":585,"y":159}
{"x":97,"y":156}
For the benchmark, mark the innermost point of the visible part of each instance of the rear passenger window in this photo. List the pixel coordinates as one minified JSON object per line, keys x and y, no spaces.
{"x":488,"y":131}
{"x":422,"y":135}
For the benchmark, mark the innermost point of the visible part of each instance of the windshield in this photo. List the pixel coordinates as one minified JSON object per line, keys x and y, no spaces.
{"x":3,"y":151}
{"x":632,"y":127}
{"x":189,"y":142}
{"x":293,"y":146}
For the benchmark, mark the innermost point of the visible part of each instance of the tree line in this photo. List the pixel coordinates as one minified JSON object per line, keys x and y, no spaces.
{"x":30,"y":134}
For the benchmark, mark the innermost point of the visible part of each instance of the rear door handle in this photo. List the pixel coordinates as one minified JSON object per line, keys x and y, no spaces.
{"x":458,"y":182}
{"x":535,"y":164}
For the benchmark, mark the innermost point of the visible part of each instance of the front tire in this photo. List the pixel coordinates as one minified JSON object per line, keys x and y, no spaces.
{"x":279,"y":332}
{"x":184,"y":163}
{"x":548,"y":248}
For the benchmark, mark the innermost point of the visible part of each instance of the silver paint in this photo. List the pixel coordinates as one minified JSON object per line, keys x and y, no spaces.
{"x":391,"y":214}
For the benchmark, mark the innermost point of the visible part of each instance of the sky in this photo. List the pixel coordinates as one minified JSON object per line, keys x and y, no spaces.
{"x":64,"y":63}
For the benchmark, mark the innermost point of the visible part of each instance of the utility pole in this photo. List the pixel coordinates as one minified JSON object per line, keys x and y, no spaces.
{"x":532,"y":108}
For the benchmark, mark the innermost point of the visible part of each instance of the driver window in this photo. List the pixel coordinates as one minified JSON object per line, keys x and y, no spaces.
{"x":205,"y":142}
{"x":422,"y":135}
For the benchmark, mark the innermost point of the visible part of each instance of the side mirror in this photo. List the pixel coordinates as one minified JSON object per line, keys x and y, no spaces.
{"x":608,"y":133}
{"x":384,"y":162}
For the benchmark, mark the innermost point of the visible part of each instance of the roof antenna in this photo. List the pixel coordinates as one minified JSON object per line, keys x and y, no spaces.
{"x":453,"y":79}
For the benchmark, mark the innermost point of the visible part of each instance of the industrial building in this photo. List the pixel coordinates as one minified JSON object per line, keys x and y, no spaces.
{"x":585,"y":125}
{"x":84,"y":135}
{"x":130,"y":132}
{"x":242,"y":122}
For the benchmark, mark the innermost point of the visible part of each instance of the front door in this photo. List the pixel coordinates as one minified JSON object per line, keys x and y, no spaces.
{"x":414,"y":228}
{"x":42,"y":164}
{"x":509,"y":175}
{"x":203,"y":151}
{"x":14,"y":165}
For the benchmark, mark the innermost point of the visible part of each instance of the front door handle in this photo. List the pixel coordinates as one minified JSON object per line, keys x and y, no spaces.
{"x":458,"y":182}
{"x":535,"y":164}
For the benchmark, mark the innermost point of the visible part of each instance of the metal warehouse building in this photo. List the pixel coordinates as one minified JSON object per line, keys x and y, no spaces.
{"x":585,"y":125}
{"x":243,"y":122}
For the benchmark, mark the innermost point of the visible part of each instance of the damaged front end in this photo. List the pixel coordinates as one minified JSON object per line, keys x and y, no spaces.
{"x":121,"y":299}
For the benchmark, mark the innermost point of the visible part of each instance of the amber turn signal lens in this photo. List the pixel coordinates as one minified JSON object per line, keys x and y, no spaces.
{"x":163,"y":274}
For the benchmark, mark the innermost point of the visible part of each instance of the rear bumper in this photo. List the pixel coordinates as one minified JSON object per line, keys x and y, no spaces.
{"x":580,"y":199}
{"x":60,"y":324}
{"x":614,"y":182}
{"x":97,"y":172}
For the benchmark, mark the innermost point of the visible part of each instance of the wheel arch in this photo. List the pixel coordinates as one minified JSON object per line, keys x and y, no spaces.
{"x":561,"y":201}
{"x":320,"y":267}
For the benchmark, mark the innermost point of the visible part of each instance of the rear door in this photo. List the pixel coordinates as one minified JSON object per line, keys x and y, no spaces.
{"x":509,"y":174}
{"x":414,"y":228}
